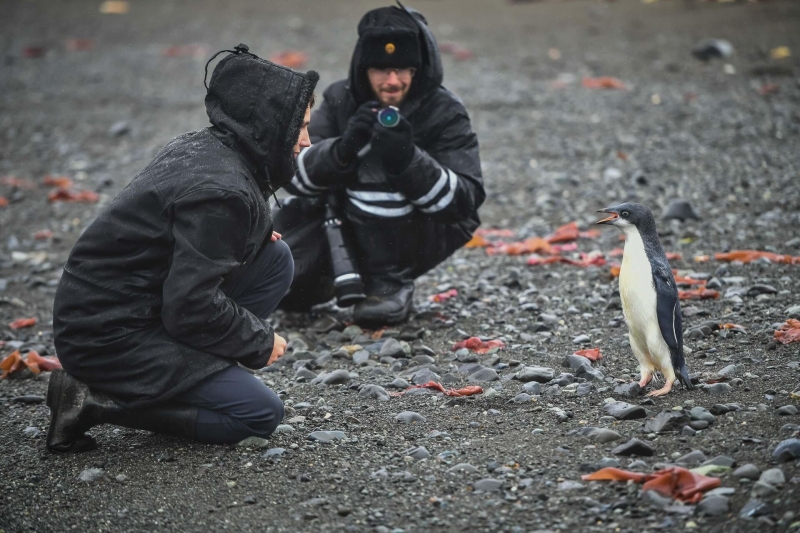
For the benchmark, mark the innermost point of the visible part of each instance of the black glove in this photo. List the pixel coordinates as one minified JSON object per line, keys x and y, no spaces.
{"x":358,"y":132}
{"x":395,"y":146}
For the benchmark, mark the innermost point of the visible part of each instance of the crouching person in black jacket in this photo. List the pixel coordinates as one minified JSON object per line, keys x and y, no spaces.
{"x":166,"y":293}
{"x":410,"y":193}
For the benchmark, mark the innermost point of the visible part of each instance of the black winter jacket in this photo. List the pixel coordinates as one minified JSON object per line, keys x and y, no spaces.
{"x":443,"y":182}
{"x":141,"y":311}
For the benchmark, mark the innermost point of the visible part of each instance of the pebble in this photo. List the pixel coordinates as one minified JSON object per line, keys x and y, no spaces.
{"x":410,"y":417}
{"x":631,"y":390}
{"x":634,"y":447}
{"x":786,"y":410}
{"x":754,"y":508}
{"x":666,"y":421}
{"x":417,"y":452}
{"x":484,"y":375}
{"x":361,"y":356}
{"x":701,"y":413}
{"x":680,"y":210}
{"x":581,"y":339}
{"x":253,"y":442}
{"x":539,"y":374}
{"x":718,"y":389}
{"x":464,"y":468}
{"x":374,"y":391}
{"x":488,"y":485}
{"x":28,"y":399}
{"x":274,"y":453}
{"x":607,"y":462}
{"x":304,"y":374}
{"x":284,"y":428}
{"x":399,"y":383}
{"x":425,"y":375}
{"x":326,"y":436}
{"x":713,"y":506}
{"x":91,"y":475}
{"x":625,"y":411}
{"x":748,"y":471}
{"x":522,"y":397}
{"x":788,"y":450}
{"x":773,"y":476}
{"x":533,"y":388}
{"x":721,"y":460}
{"x":603,"y":436}
{"x":337,"y":377}
{"x":32,"y":432}
{"x":695,"y":457}
{"x":392,"y":348}
{"x":712,"y":48}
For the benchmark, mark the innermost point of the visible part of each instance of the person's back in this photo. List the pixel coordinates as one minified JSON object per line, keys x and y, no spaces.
{"x":170,"y":287}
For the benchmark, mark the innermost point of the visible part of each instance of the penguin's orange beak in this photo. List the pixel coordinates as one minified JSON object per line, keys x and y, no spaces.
{"x":608,"y":219}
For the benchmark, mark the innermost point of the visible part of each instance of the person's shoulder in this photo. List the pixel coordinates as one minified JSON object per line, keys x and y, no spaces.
{"x":447,"y":100}
{"x":337,"y":93}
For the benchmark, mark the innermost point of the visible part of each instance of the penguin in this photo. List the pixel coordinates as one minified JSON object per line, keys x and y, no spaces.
{"x":649,"y":298}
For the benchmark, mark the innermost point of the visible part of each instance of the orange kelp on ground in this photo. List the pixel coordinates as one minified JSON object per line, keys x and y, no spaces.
{"x":592,"y":354}
{"x":474,"y":344}
{"x":698,"y":294}
{"x":470,"y":390}
{"x":675,"y":482}
{"x":32,"y":361}
{"x":748,"y":256}
{"x":788,"y":332}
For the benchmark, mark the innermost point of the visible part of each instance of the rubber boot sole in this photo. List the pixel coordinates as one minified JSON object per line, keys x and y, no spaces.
{"x":56,"y":402}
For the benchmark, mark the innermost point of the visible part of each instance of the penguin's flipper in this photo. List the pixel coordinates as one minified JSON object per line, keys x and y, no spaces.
{"x":668,"y":310}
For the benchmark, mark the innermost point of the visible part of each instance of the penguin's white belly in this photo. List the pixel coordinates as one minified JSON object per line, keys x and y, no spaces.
{"x":638,"y":295}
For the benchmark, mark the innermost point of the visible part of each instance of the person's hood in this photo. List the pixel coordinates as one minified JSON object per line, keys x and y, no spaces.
{"x":430,"y":74}
{"x":257,"y":107}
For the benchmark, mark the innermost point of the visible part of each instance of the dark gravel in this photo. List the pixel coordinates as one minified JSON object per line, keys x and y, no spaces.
{"x":553,"y":152}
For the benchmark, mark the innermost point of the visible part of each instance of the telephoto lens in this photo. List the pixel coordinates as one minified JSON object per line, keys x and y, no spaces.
{"x":389,"y":117}
{"x":348,"y":288}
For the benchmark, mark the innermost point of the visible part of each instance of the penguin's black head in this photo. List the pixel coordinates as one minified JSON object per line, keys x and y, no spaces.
{"x":627,"y":215}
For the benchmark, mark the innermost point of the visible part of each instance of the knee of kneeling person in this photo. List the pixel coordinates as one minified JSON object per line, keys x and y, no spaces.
{"x":283,"y":260}
{"x":265,"y":421}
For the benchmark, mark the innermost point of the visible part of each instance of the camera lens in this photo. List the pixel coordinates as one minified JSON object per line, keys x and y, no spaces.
{"x":389,"y":117}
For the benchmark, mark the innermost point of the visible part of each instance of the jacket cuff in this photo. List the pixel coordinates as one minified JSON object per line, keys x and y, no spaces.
{"x":430,"y":186}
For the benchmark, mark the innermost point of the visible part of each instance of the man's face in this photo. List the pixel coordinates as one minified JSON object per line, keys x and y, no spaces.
{"x":304,"y":141}
{"x":390,"y":85}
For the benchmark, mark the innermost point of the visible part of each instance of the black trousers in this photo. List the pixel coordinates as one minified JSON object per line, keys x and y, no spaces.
{"x":233,"y":404}
{"x":382,"y":247}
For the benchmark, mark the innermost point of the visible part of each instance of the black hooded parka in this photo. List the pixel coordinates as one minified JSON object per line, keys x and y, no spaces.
{"x":141,"y":311}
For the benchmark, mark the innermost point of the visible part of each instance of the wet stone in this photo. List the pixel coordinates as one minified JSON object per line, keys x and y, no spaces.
{"x":666,"y":421}
{"x":539,"y":374}
{"x":392,"y":348}
{"x":274,"y":453}
{"x":630,"y":390}
{"x":721,"y":460}
{"x":425,"y":375}
{"x":634,"y":447}
{"x":533,"y":388}
{"x":695,"y":457}
{"x":484,"y":375}
{"x":253,"y":442}
{"x":522,"y":397}
{"x":748,"y":471}
{"x":90,"y":475}
{"x":326,"y":436}
{"x":604,"y":436}
{"x":698,"y":425}
{"x":688,"y":431}
{"x":713,"y":506}
{"x":337,"y":377}
{"x":754,"y":509}
{"x":607,"y":462}
{"x":718,"y":389}
{"x":462,"y":468}
{"x":361,"y":356}
{"x":773,"y":476}
{"x":700,"y":413}
{"x":417,"y":452}
{"x":28,"y":400}
{"x":786,"y":410}
{"x":788,"y":450}
{"x":488,"y":485}
{"x":399,"y":383}
{"x":680,"y":210}
{"x":374,"y":391}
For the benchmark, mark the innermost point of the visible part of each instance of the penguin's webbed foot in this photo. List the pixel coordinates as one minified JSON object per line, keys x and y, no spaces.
{"x":662,"y":391}
{"x":645,"y":380}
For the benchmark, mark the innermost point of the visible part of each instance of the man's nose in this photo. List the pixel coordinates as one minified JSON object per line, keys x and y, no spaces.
{"x":393,"y":78}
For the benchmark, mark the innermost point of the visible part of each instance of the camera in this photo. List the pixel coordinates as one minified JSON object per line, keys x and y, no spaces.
{"x":389,"y":117}
{"x":348,"y":287}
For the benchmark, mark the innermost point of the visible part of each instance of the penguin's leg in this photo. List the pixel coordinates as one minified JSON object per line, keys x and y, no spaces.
{"x":646,"y":368}
{"x":662,"y":361}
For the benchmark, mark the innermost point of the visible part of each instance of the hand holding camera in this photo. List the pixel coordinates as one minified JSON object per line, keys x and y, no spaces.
{"x":358,"y":132}
{"x":393,"y":140}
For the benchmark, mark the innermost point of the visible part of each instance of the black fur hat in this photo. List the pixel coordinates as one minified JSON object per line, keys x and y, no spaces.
{"x":391,"y":48}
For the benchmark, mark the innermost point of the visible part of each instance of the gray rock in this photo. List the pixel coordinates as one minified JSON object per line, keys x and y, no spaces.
{"x":583,"y":389}
{"x":763,"y":490}
{"x":708,"y":49}
{"x":788,"y":450}
{"x":695,"y":457}
{"x":410,"y":417}
{"x":773,"y":476}
{"x":580,"y":339}
{"x":392,"y":348}
{"x":666,"y":421}
{"x":718,"y":389}
{"x":32,"y":432}
{"x":728,"y":371}
{"x":522,"y":397}
{"x":634,"y":447}
{"x":462,"y":468}
{"x":253,"y":442}
{"x":698,"y":425}
{"x":283,"y":428}
{"x":607,"y":462}
{"x":326,"y":436}
{"x":337,"y":377}
{"x":424,"y":375}
{"x":680,"y":210}
{"x":688,"y":431}
{"x":631,"y":390}
{"x":484,"y":375}
{"x":29,"y":399}
{"x":786,"y":410}
{"x":399,"y":383}
{"x":713,"y":506}
{"x":488,"y":485}
{"x":417,"y":452}
{"x":374,"y":391}
{"x":625,"y":411}
{"x":533,"y":388}
{"x":603,"y":435}
{"x":304,"y":374}
{"x":539,"y":374}
{"x":701,"y":413}
{"x":274,"y":453}
{"x":119,"y":128}
{"x":91,"y":475}
{"x":748,"y":471}
{"x":361,"y":356}
{"x":754,"y":509}
{"x":721,"y":460}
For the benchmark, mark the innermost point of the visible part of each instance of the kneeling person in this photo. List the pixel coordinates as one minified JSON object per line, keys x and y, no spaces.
{"x":411,"y":199}
{"x":167,"y":292}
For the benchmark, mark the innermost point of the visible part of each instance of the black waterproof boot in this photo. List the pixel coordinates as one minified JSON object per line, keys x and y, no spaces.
{"x":389,"y":301}
{"x":74,"y":409}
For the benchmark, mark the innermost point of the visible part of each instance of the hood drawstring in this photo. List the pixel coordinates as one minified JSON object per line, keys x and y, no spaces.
{"x":271,"y":190}
{"x":240,"y":49}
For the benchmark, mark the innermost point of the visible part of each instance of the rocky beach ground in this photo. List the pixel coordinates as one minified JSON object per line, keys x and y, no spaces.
{"x":94,"y":96}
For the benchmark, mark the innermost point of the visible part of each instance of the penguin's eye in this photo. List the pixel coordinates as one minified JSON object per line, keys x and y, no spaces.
{"x":625,"y":214}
